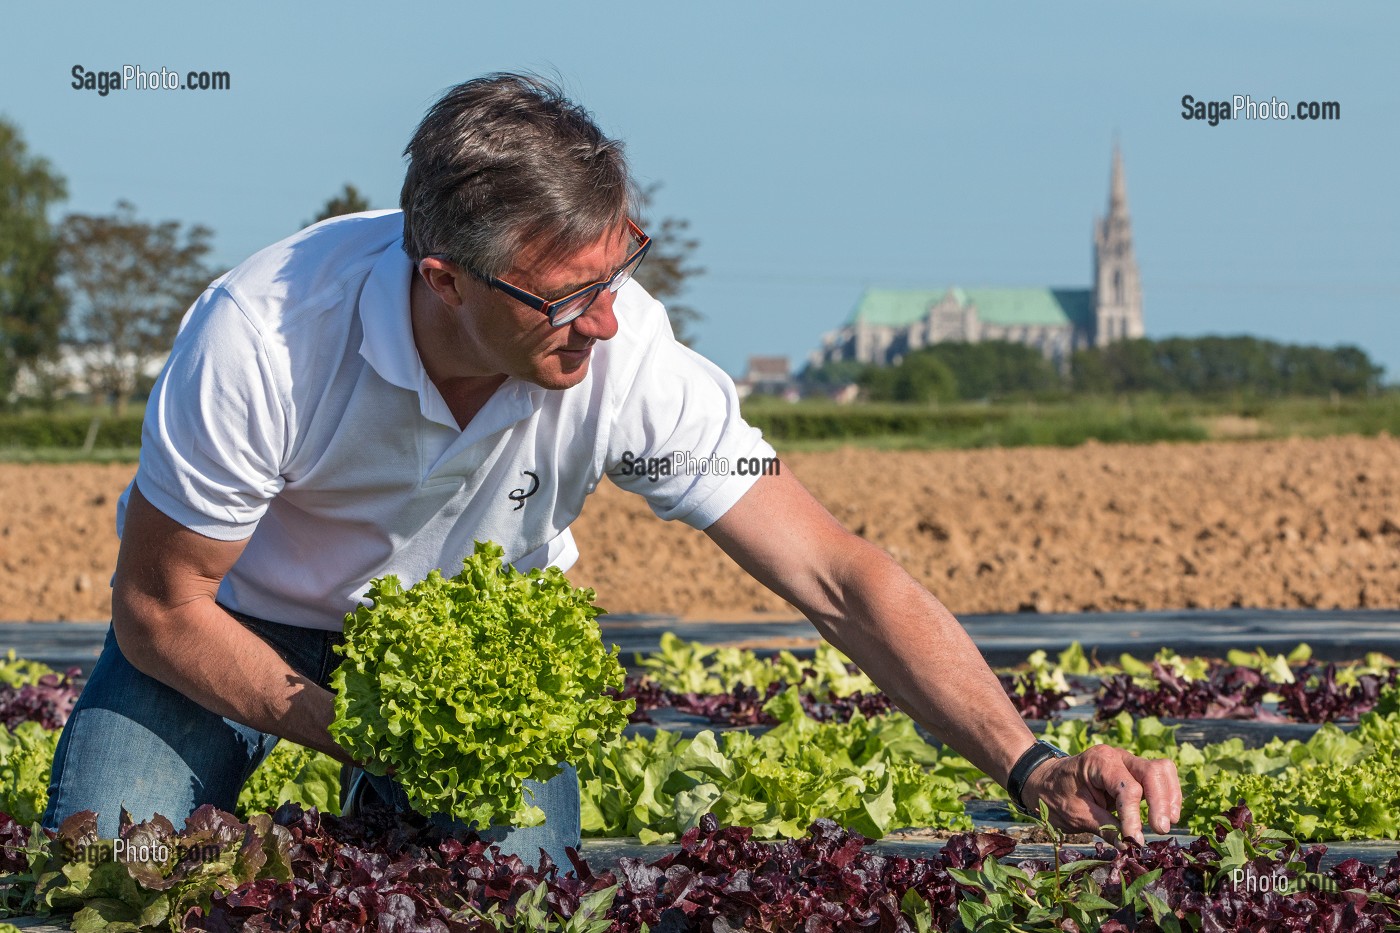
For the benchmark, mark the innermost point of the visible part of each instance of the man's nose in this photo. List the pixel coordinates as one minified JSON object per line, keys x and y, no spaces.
{"x":598,"y":322}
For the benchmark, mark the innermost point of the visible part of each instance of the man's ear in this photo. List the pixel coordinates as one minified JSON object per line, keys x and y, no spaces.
{"x":446,"y":279}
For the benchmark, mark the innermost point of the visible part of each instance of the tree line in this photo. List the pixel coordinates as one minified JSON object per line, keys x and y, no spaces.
{"x":90,"y":303}
{"x":1196,"y":366}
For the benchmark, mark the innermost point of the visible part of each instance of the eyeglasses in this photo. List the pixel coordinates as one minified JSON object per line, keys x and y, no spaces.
{"x":561,"y":311}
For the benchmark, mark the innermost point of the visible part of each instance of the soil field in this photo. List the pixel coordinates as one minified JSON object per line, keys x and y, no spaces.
{"x":1266,"y":524}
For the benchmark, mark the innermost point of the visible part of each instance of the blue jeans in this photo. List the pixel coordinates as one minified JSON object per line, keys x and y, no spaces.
{"x":133,"y":742}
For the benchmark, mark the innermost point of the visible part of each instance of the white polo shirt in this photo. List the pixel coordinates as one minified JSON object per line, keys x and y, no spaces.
{"x":294,"y":412}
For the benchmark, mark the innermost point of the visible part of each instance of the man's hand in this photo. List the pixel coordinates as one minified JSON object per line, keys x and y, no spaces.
{"x":1104,"y":786}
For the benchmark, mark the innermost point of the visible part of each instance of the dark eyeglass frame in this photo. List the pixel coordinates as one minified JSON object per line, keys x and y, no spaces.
{"x":551,"y":308}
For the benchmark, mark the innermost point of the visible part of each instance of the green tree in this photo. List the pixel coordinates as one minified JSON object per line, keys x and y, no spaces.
{"x":1216,"y":366}
{"x":1126,"y":366}
{"x":134,"y":281}
{"x":348,"y":201}
{"x":834,"y":375}
{"x":668,"y":265}
{"x":32,"y":305}
{"x":919,"y":377}
{"x":996,"y":368}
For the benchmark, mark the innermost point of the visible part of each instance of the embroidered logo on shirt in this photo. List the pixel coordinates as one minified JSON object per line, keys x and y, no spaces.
{"x":518,"y":496}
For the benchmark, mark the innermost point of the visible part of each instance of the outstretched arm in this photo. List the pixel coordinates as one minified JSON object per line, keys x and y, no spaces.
{"x":909,"y":643}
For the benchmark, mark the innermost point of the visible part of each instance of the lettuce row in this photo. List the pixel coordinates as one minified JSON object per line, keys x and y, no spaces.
{"x":869,"y":775}
{"x":1335,"y":785}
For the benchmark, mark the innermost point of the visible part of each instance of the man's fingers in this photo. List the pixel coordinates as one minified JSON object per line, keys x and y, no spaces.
{"x":1126,"y":780}
{"x":1101,"y":819}
{"x":1160,"y":786}
{"x":1127,"y":795}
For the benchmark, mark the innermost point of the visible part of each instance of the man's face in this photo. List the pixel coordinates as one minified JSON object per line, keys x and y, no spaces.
{"x":519,"y":341}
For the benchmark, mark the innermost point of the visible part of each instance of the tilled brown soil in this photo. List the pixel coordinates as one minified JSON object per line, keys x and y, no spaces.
{"x":1276,"y":524}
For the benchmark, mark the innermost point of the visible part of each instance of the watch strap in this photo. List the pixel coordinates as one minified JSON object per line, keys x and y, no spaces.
{"x":1030,"y":759}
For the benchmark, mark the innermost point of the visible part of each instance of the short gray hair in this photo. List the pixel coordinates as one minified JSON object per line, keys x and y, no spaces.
{"x":505,"y":160}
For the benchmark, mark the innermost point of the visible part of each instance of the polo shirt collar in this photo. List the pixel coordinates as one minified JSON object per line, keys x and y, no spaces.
{"x":384,"y":317}
{"x":388,"y":347}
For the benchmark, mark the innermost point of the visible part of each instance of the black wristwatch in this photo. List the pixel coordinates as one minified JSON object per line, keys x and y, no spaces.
{"x":1032,"y":758}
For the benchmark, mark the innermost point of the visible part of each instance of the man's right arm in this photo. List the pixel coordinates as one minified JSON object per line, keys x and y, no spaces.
{"x":169,"y":627}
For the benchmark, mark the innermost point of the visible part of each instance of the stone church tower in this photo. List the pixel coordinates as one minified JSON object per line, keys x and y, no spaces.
{"x":1117,"y":285}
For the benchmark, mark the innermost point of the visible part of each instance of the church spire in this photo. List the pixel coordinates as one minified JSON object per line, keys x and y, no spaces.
{"x":1117,"y":284}
{"x":1118,"y":187}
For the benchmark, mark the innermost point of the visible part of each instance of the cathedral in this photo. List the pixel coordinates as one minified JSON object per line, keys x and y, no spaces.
{"x":889,"y":323}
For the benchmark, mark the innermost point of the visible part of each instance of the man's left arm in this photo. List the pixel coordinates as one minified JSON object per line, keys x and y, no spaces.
{"x":909,"y":643}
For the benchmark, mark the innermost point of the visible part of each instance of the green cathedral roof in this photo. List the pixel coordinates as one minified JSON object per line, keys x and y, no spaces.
{"x":1007,"y":307}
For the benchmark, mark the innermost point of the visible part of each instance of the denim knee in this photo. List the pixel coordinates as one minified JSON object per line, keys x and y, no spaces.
{"x":134,"y":743}
{"x":557,"y":797}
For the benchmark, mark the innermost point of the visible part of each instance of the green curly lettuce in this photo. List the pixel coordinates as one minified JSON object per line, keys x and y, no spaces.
{"x":16,"y":672}
{"x":467,"y":686}
{"x":26,"y":758}
{"x":292,"y":773}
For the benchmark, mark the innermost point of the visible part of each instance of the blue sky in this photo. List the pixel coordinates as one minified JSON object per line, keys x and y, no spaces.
{"x":816,"y":148}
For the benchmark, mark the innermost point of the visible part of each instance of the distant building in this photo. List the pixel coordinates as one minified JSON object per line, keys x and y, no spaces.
{"x":79,"y":371}
{"x":846,"y":394}
{"x":889,"y":323}
{"x":767,"y":375}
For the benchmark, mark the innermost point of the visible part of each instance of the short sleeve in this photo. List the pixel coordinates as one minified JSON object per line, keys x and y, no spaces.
{"x":679,"y":439}
{"x":215,"y":429}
